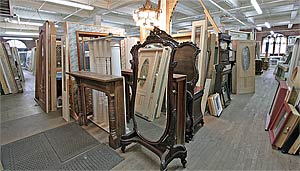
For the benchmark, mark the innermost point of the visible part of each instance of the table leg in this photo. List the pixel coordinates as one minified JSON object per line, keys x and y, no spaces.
{"x":114,"y":140}
{"x":83,"y":105}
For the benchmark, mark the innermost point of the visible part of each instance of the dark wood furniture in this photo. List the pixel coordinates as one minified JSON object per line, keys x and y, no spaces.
{"x":113,"y":87}
{"x":166,"y":147}
{"x":185,"y":57}
{"x":186,"y":60}
{"x":224,"y":69}
{"x":179,"y":86}
{"x":258,"y":66}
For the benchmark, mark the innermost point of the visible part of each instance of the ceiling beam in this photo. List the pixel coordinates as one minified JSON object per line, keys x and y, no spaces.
{"x":34,"y":5}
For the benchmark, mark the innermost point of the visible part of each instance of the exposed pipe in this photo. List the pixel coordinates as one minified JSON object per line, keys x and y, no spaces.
{"x":230,"y":10}
{"x":226,"y":12}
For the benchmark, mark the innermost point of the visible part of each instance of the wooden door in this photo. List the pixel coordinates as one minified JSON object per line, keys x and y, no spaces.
{"x":245,"y":63}
{"x":45,"y":85}
{"x":148,"y":62}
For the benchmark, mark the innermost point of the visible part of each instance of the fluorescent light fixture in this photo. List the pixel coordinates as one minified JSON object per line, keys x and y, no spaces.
{"x":26,"y":23}
{"x":256,"y":6}
{"x":72,"y":4}
{"x":272,"y":32}
{"x":17,"y":38}
{"x":290,"y":26}
{"x":267,"y":25}
{"x":46,"y":11}
{"x":259,"y":28}
{"x":293,"y":14}
{"x":22,"y":33}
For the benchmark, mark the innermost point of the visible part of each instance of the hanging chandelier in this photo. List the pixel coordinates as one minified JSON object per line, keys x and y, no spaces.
{"x":147,"y":16}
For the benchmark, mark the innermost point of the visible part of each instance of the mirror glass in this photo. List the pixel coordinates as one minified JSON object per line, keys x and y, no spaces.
{"x":246,"y":58}
{"x":150,"y":102}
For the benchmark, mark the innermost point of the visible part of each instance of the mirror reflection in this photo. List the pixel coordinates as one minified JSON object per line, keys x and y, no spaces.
{"x":150,"y":102}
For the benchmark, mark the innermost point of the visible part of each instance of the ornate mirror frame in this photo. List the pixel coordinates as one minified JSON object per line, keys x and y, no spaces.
{"x":166,"y":147}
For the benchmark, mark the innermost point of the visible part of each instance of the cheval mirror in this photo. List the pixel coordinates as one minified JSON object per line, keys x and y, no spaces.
{"x":152,"y":103}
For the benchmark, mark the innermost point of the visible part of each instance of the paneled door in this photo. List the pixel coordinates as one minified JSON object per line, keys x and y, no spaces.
{"x":245,"y":63}
{"x":150,"y":89}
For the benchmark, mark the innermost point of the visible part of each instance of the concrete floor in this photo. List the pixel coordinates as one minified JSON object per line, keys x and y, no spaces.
{"x":235,"y":141}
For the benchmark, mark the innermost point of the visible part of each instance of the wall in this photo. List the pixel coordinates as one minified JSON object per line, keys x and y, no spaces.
{"x":294,"y":31}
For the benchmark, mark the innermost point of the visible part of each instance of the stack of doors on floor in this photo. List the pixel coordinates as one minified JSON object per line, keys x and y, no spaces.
{"x":283,"y":119}
{"x":11,"y":73}
{"x":46,"y":68}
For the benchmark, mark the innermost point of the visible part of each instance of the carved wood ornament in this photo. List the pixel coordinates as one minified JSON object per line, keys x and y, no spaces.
{"x":166,"y":147}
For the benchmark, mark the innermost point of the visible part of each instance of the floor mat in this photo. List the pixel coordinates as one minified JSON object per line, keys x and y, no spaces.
{"x":99,"y":158}
{"x":70,"y":140}
{"x":68,"y":147}
{"x":30,"y":153}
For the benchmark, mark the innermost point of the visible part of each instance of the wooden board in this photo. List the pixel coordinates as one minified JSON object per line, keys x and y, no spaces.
{"x":294,"y":61}
{"x":16,"y":56}
{"x":205,"y":95}
{"x":65,"y":77}
{"x":295,"y":147}
{"x":211,"y":48}
{"x":3,"y":81}
{"x":182,"y":37}
{"x":45,"y":92}
{"x":245,"y":63}
{"x":13,"y":67}
{"x":200,"y":38}
{"x":53,"y":64}
{"x":8,"y":75}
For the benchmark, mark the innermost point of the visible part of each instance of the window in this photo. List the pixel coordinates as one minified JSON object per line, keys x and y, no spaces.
{"x":275,"y":44}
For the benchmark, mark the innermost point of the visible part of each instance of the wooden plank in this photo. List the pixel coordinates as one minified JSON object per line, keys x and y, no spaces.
{"x":65,"y":58}
{"x":211,"y":48}
{"x":205,"y":95}
{"x":211,"y":20}
{"x":52,"y":58}
{"x":201,"y":41}
{"x":16,"y":56}
{"x":9,"y":77}
{"x":295,"y":147}
{"x":2,"y":80}
{"x":13,"y":67}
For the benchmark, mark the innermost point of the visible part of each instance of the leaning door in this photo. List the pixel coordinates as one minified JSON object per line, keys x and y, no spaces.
{"x":245,"y":58}
{"x":149,"y":59}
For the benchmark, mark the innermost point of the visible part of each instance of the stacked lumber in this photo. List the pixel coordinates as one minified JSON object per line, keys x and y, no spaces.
{"x":11,"y":74}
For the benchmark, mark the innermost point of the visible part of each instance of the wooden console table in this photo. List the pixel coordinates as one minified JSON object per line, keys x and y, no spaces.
{"x":112,"y":86}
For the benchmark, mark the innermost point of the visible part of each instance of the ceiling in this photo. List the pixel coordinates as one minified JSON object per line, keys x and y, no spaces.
{"x":228,"y":14}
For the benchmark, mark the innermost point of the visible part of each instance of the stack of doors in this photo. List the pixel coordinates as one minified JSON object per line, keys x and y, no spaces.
{"x":11,"y":74}
{"x":45,"y":78}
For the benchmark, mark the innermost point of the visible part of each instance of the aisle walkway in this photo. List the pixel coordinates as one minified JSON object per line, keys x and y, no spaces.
{"x":235,"y":141}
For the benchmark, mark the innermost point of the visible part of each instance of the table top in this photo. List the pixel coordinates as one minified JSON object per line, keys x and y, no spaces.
{"x":95,"y":76}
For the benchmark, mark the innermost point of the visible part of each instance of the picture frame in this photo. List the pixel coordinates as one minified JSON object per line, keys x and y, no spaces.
{"x":215,"y":105}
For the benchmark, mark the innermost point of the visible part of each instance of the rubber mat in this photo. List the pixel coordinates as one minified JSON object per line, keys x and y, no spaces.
{"x":99,"y":158}
{"x":31,"y":153}
{"x":70,"y":140}
{"x":68,"y":147}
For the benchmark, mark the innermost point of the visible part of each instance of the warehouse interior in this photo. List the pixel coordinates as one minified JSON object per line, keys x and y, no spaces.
{"x":150,"y":84}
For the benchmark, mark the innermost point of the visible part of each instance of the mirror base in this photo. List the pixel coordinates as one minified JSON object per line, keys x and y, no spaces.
{"x":164,"y":151}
